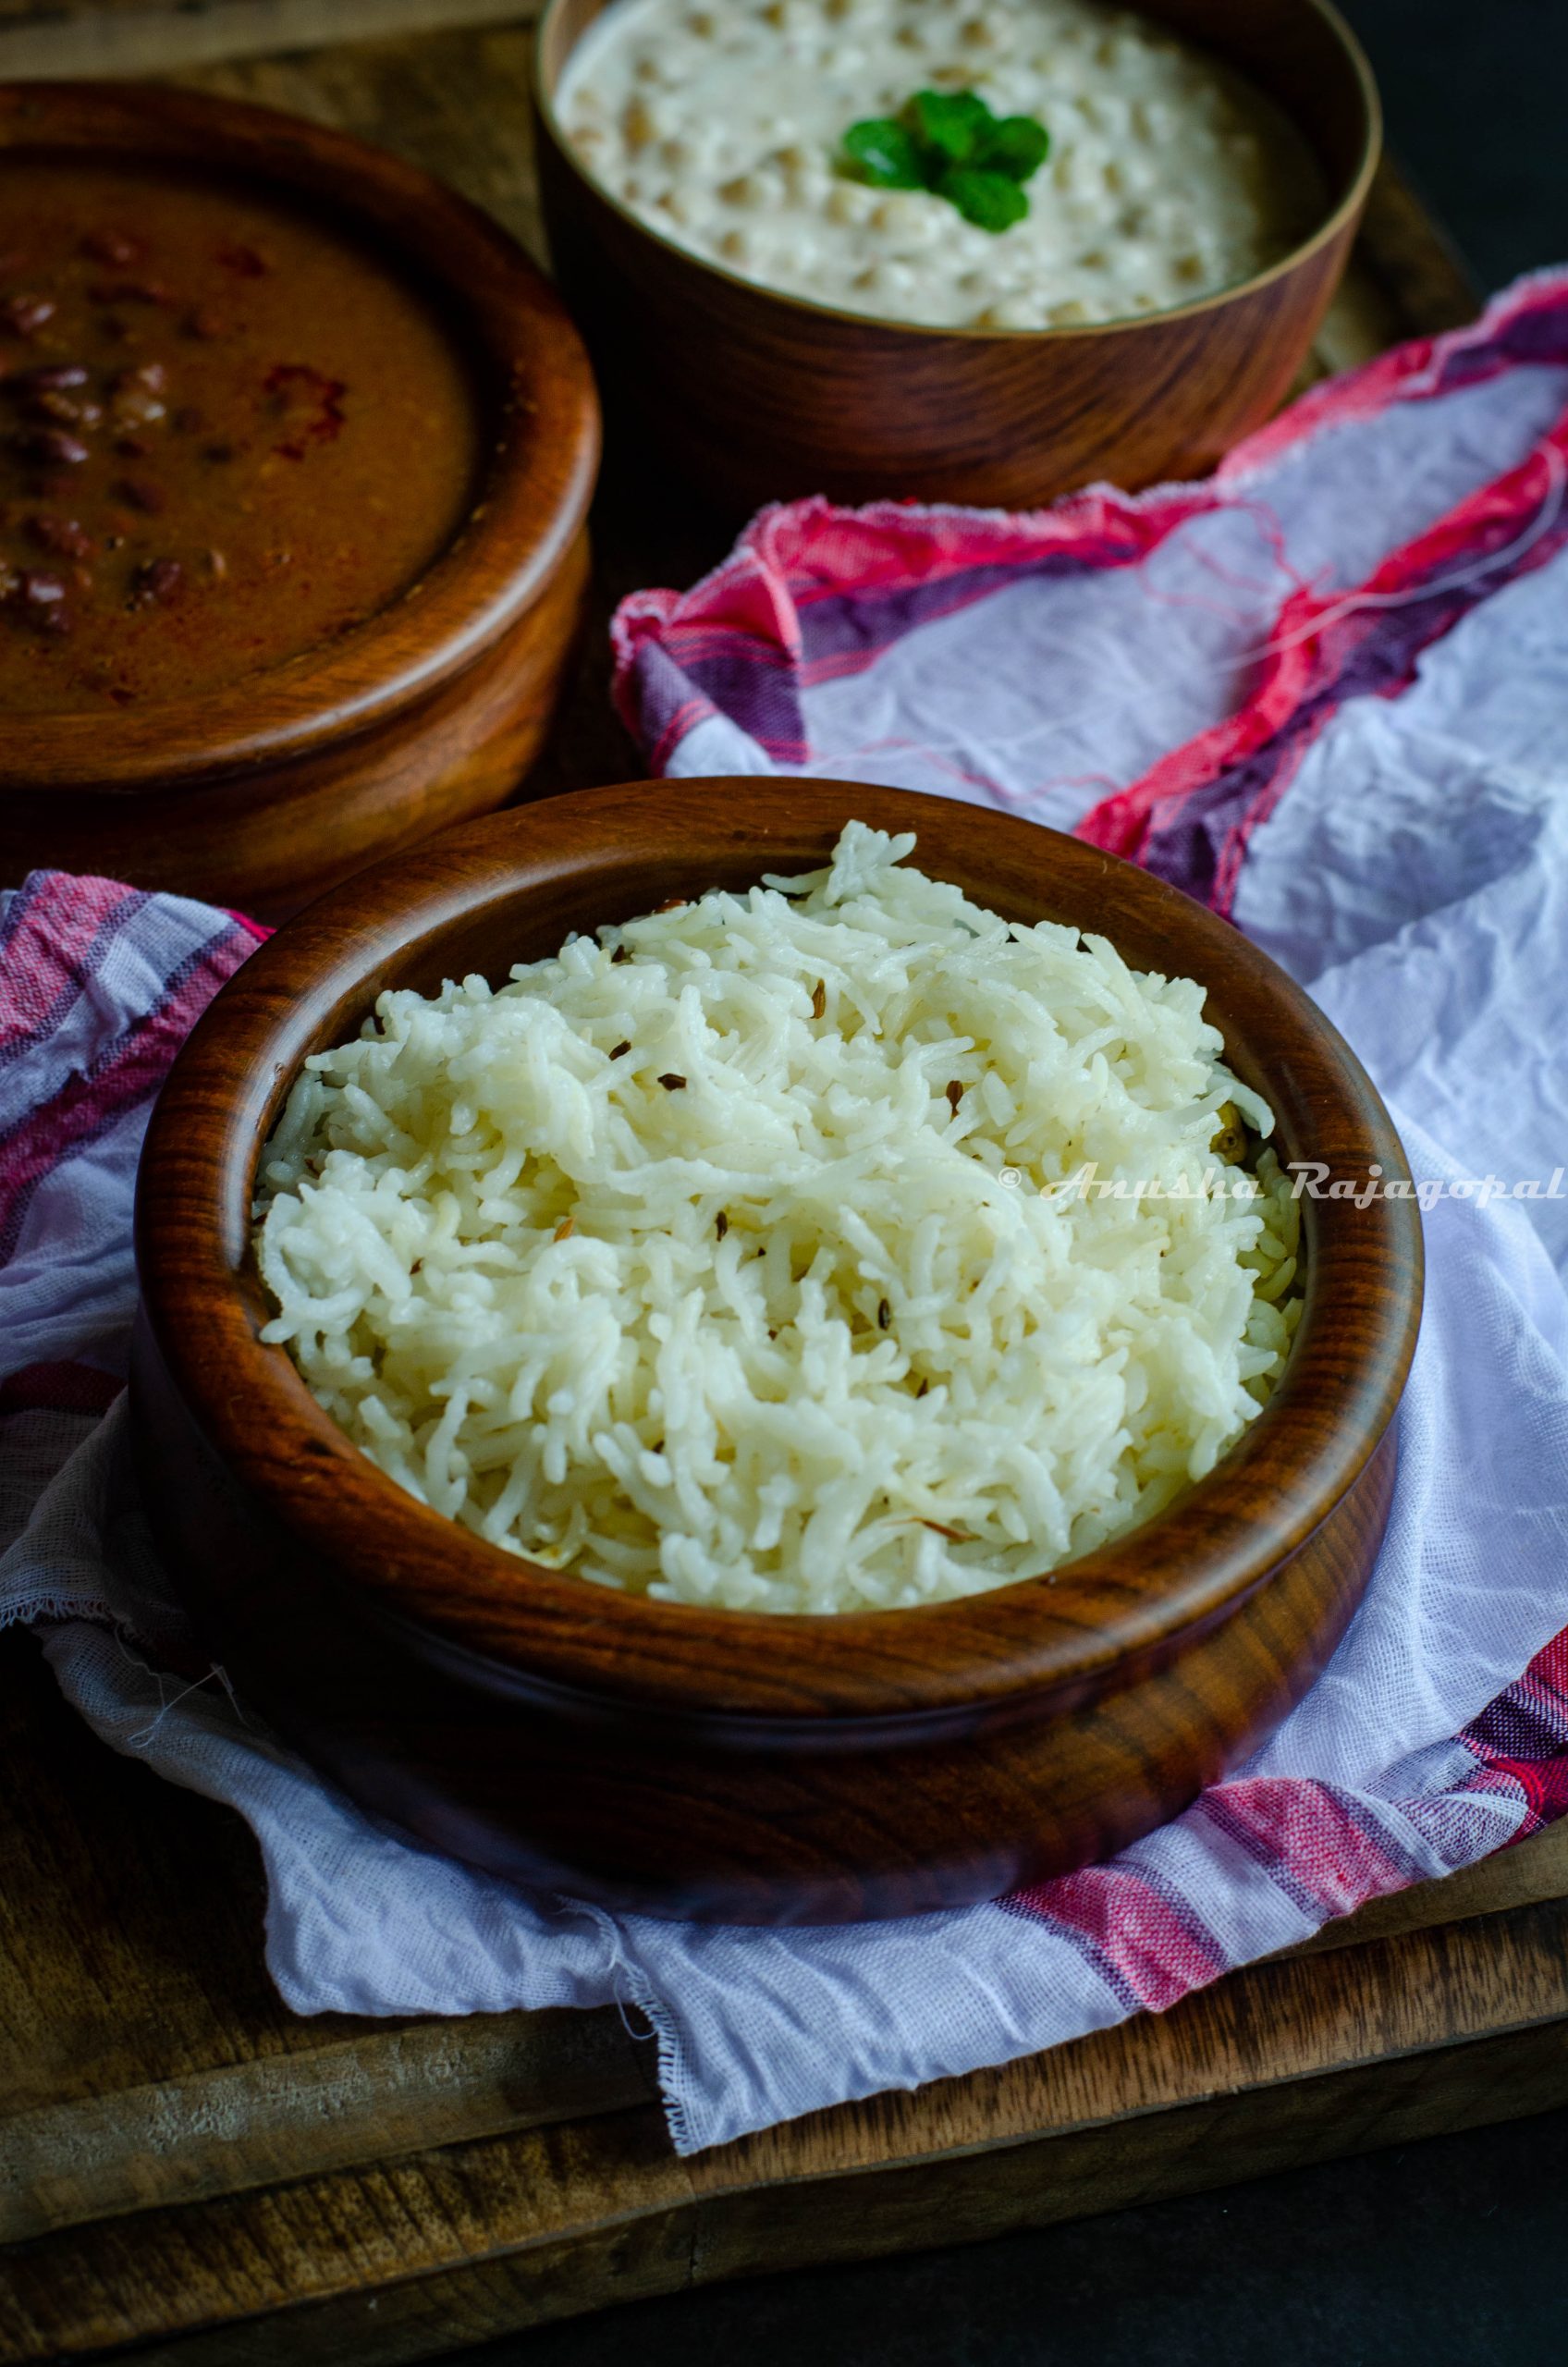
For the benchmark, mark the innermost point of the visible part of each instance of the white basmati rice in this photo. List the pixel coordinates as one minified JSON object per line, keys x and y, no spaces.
{"x":725,"y":1257}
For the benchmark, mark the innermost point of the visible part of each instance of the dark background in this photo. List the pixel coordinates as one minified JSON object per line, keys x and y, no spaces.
{"x":1452,"y":2253}
{"x":1477,"y":97}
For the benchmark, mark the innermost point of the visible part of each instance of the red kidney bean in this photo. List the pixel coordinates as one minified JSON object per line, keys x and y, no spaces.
{"x":143,"y":495}
{"x":136,"y":408}
{"x":112,"y":246}
{"x":62,"y":534}
{"x":48,"y":378}
{"x":24,"y":316}
{"x":52,"y":445}
{"x":158,"y":580}
{"x":64,"y":408}
{"x":131,"y":292}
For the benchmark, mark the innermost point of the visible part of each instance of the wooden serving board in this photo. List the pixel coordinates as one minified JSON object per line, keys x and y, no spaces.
{"x":188,"y":2168}
{"x":185,"y":2166}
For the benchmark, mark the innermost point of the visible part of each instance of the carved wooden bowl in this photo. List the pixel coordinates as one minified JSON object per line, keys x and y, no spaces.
{"x":758,"y":396}
{"x":733,"y":1765}
{"x":270,"y":788}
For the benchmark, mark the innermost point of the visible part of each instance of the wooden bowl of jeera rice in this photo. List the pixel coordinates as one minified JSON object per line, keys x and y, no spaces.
{"x":835,"y":1504}
{"x":296,"y":449}
{"x":780,"y":316}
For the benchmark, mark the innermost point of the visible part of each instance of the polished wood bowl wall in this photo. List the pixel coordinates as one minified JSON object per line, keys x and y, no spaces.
{"x":262,"y":795}
{"x":737,"y":1765}
{"x":760,"y":397}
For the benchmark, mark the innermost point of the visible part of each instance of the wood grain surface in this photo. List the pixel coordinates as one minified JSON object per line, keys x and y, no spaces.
{"x":130,"y":1914}
{"x":1419,"y":2019}
{"x":90,"y":37}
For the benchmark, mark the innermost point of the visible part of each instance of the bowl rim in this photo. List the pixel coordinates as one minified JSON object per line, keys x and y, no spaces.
{"x":1329,"y":230}
{"x":528,"y":505}
{"x":554,"y":1636}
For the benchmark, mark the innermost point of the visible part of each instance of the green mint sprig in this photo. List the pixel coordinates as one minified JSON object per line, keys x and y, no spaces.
{"x":950,"y":144}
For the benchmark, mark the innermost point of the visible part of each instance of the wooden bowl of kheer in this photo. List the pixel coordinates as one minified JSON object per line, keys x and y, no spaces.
{"x":768,"y":319}
{"x":669,"y":1749}
{"x":296,"y":449}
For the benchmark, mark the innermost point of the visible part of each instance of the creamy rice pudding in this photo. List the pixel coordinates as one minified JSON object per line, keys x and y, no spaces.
{"x":722,"y":126}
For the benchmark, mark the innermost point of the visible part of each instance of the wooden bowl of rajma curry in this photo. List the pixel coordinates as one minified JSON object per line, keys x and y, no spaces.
{"x":296,"y":447}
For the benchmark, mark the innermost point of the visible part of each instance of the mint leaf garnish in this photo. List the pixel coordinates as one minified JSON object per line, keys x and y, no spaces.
{"x":885,"y":153}
{"x":1015,"y":144}
{"x":950,"y":142}
{"x":991,"y":200}
{"x":952,"y":123}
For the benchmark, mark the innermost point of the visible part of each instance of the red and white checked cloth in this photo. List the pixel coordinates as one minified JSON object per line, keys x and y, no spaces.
{"x":1383,"y":797}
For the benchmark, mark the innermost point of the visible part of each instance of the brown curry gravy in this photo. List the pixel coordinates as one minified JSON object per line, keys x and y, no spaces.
{"x":228,"y":433}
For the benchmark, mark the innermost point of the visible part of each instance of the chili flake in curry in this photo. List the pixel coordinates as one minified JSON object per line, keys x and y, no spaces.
{"x":228,"y":433}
